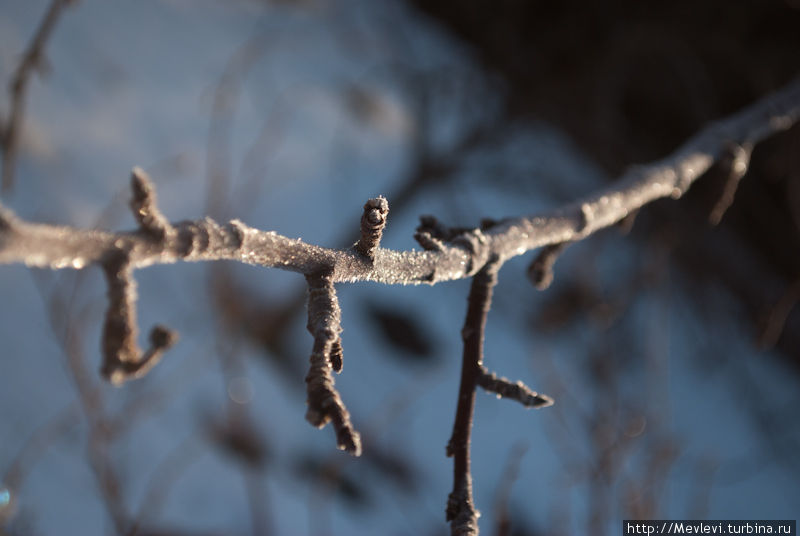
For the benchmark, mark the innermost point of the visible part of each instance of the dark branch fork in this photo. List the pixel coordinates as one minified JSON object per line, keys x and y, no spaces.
{"x":448,"y":254}
{"x":461,"y":511}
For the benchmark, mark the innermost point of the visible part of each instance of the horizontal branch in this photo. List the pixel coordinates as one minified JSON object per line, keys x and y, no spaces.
{"x":56,"y":247}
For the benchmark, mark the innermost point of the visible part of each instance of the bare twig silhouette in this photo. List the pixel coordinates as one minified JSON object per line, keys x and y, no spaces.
{"x":32,"y":59}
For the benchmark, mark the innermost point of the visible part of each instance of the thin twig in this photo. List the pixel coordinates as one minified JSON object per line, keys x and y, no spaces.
{"x":515,"y":391}
{"x":144,"y":206}
{"x":540,"y":271}
{"x":461,"y":511}
{"x":123,"y":360}
{"x":626,"y":224}
{"x":324,"y":403}
{"x":32,"y":59}
{"x":734,"y":160}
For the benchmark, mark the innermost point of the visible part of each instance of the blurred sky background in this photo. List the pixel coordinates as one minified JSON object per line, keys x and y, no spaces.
{"x":289,"y":116}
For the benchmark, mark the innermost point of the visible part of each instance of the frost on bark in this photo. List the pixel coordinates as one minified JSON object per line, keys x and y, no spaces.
{"x":448,"y":254}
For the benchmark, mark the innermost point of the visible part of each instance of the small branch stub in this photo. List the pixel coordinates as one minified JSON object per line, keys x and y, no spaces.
{"x":372,"y":223}
{"x":734,"y":160}
{"x":145,"y":208}
{"x":515,"y":391}
{"x":625,"y":225}
{"x":540,"y":271}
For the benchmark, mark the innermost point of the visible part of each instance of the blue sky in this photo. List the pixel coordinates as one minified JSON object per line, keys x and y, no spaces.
{"x":322,"y":120}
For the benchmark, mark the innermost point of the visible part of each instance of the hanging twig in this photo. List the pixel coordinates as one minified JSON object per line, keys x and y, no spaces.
{"x":324,"y":403}
{"x":122,"y":358}
{"x":540,"y":271}
{"x":734,"y":161}
{"x":461,"y":511}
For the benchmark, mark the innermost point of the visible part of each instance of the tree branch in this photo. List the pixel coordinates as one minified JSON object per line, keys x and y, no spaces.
{"x":449,"y":254}
{"x":461,"y":511}
{"x":55,"y":247}
{"x":518,"y":391}
{"x":32,"y":58}
{"x":324,"y":403}
{"x":540,"y":271}
{"x":122,"y":358}
{"x":735,"y":160}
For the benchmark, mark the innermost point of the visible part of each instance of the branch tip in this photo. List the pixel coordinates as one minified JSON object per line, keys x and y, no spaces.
{"x":625,"y":224}
{"x":145,"y":208}
{"x":734,"y":160}
{"x":123,"y":360}
{"x":373,"y":221}
{"x":518,"y":391}
{"x":461,"y":511}
{"x":540,"y":271}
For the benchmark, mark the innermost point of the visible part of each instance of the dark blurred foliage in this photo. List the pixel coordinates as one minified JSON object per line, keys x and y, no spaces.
{"x":630,"y":81}
{"x":403,"y":330}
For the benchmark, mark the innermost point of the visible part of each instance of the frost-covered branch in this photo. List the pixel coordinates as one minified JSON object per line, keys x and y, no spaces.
{"x":50,"y":246}
{"x":324,"y":403}
{"x":518,"y":391}
{"x":448,"y":254}
{"x":540,"y":271}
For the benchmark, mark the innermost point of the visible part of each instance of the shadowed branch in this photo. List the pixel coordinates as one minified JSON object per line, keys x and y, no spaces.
{"x":540,"y":271}
{"x":518,"y":391}
{"x":734,"y":160}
